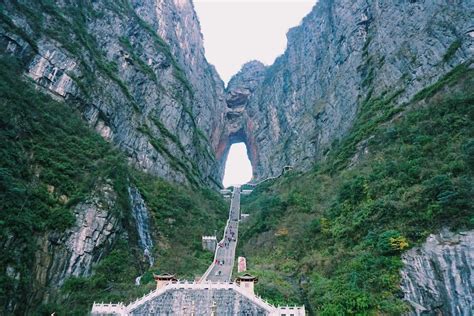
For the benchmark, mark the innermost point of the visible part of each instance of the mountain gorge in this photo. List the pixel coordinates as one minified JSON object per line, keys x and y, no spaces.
{"x":149,"y":100}
{"x":343,"y":54}
{"x":115,"y":131}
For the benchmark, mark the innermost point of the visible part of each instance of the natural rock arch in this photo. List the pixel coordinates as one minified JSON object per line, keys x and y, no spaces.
{"x":238,"y":127}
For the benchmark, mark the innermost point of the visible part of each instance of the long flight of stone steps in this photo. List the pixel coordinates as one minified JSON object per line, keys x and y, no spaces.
{"x":209,"y":283}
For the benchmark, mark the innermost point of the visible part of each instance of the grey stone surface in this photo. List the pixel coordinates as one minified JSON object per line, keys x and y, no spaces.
{"x":164,"y":106}
{"x":177,"y":23}
{"x":73,"y":252}
{"x":288,"y":113}
{"x":183,"y":301}
{"x":157,"y":99}
{"x":343,"y":51}
{"x":438,"y":277}
{"x":237,"y":125}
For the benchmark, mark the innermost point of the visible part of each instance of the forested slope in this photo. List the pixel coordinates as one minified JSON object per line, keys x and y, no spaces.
{"x":332,"y":238}
{"x":66,"y":213}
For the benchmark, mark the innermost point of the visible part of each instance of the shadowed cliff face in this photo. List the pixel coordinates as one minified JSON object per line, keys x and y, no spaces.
{"x":146,"y":86}
{"x":136,"y":73}
{"x":177,"y":24}
{"x":343,"y":54}
{"x":141,"y":216}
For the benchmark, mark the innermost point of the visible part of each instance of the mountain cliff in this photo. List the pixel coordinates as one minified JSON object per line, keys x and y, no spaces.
{"x":114,"y":127}
{"x":348,"y":104}
{"x":78,"y":222}
{"x":371,"y":105}
{"x":344,"y":54}
{"x":237,"y":125}
{"x":136,"y":71}
{"x":437,"y":276}
{"x":338,"y":238}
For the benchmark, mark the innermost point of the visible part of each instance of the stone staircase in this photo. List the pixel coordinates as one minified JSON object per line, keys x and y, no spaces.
{"x":207,"y":296}
{"x":130,"y":309}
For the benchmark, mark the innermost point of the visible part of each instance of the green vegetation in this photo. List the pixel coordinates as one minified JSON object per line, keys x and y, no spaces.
{"x":112,"y":281}
{"x":43,"y":144}
{"x":332,"y":238}
{"x":10,"y":26}
{"x":136,"y":59}
{"x":452,"y":49}
{"x":180,"y":216}
{"x":372,"y":113}
{"x":69,"y":25}
{"x":448,"y":80}
{"x":50,"y":161}
{"x":176,"y":163}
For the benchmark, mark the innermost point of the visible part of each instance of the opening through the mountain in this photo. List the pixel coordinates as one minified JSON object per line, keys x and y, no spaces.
{"x":238,"y":169}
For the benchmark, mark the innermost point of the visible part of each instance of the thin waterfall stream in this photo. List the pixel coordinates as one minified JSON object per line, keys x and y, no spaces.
{"x":141,"y":216}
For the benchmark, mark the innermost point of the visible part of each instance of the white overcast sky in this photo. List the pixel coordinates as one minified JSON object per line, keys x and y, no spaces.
{"x":237,"y":169}
{"x":237,"y":31}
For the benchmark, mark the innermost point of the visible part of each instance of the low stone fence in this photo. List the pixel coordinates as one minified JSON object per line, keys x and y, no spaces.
{"x":291,"y":310}
{"x":109,"y":309}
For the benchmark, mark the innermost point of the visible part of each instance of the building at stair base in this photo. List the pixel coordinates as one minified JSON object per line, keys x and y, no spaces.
{"x":183,"y":298}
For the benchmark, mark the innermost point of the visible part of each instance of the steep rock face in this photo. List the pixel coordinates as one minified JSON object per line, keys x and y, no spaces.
{"x":344,"y":53}
{"x":177,"y":23}
{"x":438,"y":277}
{"x":238,"y":127}
{"x":73,"y":252}
{"x":154,"y":102}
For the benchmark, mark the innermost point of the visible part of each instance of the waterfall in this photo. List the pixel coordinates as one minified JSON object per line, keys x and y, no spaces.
{"x":138,"y":280}
{"x":141,"y":215}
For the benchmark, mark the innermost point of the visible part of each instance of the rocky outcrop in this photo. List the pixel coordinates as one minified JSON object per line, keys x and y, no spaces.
{"x":143,"y":84}
{"x":61,"y":255}
{"x":238,"y":127}
{"x":343,"y":53}
{"x":438,"y":277}
{"x":177,"y":23}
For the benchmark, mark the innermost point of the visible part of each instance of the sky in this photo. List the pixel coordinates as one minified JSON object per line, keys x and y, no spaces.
{"x":237,"y":31}
{"x":238,"y":169}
